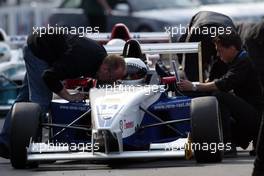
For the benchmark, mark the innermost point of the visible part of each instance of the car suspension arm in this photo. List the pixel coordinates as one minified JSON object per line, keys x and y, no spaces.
{"x":162,"y":121}
{"x":66,"y":127}
{"x":165,"y":123}
{"x":58,"y":133}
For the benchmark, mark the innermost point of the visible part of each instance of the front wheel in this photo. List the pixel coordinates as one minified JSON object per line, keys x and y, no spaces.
{"x":25,"y":121}
{"x":206,"y":130}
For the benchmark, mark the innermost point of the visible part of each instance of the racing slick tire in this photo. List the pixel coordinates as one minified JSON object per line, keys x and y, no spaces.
{"x":206,"y":130}
{"x":25,"y":123}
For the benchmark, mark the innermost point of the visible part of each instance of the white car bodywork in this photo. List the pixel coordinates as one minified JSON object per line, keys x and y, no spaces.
{"x":112,"y":105}
{"x":12,"y":69}
{"x":109,"y":108}
{"x":12,"y":73}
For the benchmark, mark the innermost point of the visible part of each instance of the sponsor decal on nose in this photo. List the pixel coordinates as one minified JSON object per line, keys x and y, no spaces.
{"x":128,"y":125}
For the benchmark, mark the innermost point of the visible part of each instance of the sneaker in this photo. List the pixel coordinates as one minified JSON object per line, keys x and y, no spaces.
{"x":4,"y":151}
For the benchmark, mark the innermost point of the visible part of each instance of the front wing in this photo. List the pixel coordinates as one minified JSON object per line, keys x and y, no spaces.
{"x":43,"y":152}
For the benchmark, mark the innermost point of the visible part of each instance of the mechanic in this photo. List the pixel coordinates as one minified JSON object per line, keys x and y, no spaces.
{"x":96,"y":12}
{"x":52,"y":58}
{"x":238,"y":91}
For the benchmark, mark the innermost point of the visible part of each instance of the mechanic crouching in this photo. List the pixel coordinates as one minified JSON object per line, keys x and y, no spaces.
{"x":238,"y":91}
{"x":52,"y":58}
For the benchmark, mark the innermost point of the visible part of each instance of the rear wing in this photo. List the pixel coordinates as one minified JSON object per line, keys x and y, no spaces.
{"x":166,"y":48}
{"x":142,"y":37}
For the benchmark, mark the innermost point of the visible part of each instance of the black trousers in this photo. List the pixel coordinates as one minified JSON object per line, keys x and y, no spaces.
{"x":259,"y":162}
{"x":240,"y":120}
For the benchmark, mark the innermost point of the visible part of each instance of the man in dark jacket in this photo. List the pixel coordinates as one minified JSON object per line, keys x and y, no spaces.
{"x":70,"y":56}
{"x":238,"y":91}
{"x":51,"y":59}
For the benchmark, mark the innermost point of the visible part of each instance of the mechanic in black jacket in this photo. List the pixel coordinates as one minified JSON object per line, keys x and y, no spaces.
{"x":238,"y":91}
{"x":50,"y":59}
{"x":71,"y":56}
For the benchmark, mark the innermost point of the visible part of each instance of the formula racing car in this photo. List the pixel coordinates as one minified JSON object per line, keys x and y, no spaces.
{"x":12,"y":71}
{"x":121,"y":121}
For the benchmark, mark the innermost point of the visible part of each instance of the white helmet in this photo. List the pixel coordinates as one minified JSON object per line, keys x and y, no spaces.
{"x":116,"y":42}
{"x":5,"y":52}
{"x":136,"y":71}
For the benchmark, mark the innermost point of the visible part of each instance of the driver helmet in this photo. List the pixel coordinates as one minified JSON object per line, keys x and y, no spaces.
{"x":136,"y":71}
{"x":116,"y":42}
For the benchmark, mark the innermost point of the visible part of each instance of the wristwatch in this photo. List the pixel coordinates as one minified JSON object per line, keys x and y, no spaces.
{"x":195,"y":86}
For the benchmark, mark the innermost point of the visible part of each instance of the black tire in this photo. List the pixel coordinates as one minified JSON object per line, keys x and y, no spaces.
{"x":206,"y":130}
{"x":25,"y":122}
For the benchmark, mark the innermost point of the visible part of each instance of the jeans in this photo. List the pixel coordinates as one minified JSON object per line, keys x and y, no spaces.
{"x":34,"y":90}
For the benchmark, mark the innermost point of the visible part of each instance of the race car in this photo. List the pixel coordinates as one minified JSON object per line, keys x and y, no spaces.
{"x":14,"y":41}
{"x":12,"y":72}
{"x":137,"y":121}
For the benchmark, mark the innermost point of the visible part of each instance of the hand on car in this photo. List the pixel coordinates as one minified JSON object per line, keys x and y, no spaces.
{"x":185,"y":85}
{"x":77,"y":97}
{"x":72,"y":97}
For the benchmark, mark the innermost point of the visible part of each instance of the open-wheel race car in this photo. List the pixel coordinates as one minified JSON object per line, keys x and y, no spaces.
{"x":12,"y":70}
{"x":120,"y":122}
